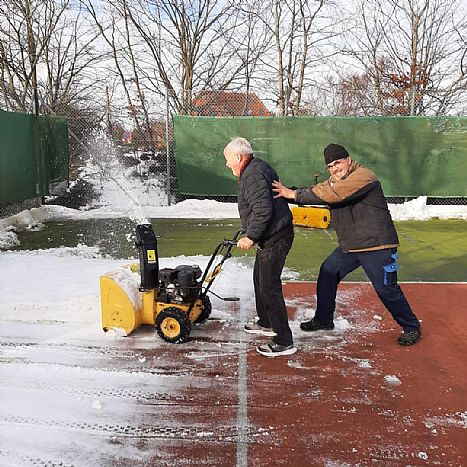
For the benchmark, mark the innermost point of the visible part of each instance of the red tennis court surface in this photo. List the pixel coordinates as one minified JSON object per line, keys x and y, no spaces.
{"x":349,"y":397}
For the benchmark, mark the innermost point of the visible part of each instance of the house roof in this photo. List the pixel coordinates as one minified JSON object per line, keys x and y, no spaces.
{"x":223,"y":103}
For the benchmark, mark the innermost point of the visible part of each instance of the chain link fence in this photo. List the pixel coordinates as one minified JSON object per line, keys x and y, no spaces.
{"x":11,"y":209}
{"x":142,"y":145}
{"x":218,"y":104}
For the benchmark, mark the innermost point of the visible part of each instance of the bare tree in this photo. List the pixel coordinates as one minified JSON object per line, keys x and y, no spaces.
{"x":114,"y":27}
{"x":185,"y":46}
{"x":45,"y":53}
{"x":421,"y":44}
{"x":25,"y":33}
{"x":301,"y":34}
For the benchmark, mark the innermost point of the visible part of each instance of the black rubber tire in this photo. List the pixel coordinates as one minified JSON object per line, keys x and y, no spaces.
{"x":173,"y":325}
{"x":205,"y":311}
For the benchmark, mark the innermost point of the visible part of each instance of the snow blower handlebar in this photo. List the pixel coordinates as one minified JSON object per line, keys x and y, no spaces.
{"x":225,"y":249}
{"x":210,"y":273}
{"x":229,"y":242}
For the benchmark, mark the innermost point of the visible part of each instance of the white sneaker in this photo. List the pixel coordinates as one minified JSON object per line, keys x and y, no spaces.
{"x":255,"y":328}
{"x":275,"y":350}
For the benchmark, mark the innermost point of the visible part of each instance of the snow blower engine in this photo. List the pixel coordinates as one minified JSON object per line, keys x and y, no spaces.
{"x":172,"y":300}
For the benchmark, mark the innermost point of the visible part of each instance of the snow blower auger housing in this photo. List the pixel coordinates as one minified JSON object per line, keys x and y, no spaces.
{"x":170,"y":299}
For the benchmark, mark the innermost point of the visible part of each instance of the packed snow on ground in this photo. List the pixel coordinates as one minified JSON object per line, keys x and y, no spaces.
{"x":70,"y":392}
{"x":51,"y":298}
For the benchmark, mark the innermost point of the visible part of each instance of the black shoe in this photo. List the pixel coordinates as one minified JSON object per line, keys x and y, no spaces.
{"x":315,"y":325}
{"x":275,"y":350}
{"x":410,"y":337}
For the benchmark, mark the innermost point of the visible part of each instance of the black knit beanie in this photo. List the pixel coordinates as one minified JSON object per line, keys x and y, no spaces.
{"x":334,"y":152}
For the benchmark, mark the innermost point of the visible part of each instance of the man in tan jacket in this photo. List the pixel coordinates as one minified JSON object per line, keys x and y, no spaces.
{"x":366,"y":237}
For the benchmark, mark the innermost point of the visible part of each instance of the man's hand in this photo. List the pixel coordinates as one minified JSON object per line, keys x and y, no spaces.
{"x":282,"y":191}
{"x":245,"y":243}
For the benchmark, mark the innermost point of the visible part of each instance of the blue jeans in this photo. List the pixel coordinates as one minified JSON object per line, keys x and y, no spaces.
{"x":339,"y":264}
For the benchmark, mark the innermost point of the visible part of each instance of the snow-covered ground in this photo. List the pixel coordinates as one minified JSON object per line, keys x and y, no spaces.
{"x":54,"y":354}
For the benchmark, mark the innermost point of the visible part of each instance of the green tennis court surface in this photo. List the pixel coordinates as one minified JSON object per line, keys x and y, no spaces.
{"x":430,"y":251}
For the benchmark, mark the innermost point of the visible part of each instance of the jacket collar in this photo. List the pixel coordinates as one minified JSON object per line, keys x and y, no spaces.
{"x":245,"y":164}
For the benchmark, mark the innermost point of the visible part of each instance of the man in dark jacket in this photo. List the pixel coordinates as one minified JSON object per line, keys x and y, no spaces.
{"x":268,"y":224}
{"x":366,"y":237}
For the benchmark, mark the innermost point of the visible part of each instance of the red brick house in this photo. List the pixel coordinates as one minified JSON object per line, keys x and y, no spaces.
{"x":228,"y":104}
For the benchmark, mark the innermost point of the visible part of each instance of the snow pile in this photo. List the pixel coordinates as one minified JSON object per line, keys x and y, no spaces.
{"x":54,"y":284}
{"x":392,"y":380}
{"x":34,"y":218}
{"x":8,"y":238}
{"x":63,"y":283}
{"x":417,"y":209}
{"x":188,"y":209}
{"x":129,"y":282}
{"x":31,"y":218}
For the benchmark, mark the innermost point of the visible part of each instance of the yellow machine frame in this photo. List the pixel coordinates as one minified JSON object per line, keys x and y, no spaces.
{"x":169,"y":299}
{"x":317,"y":217}
{"x":120,"y":314}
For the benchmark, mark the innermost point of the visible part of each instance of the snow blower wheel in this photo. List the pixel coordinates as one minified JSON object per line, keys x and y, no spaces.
{"x":173,"y":325}
{"x":206,"y":309}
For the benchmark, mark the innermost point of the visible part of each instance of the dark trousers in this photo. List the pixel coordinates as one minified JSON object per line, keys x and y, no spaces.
{"x":270,"y":305}
{"x":339,"y":264}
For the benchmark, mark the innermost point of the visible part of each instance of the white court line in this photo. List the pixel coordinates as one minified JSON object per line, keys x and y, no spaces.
{"x":242,"y":391}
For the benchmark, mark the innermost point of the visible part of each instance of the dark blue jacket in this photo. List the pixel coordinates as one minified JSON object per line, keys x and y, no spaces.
{"x":261,"y":215}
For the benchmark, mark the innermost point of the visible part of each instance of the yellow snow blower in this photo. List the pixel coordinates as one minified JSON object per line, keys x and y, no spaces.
{"x":172,"y":300}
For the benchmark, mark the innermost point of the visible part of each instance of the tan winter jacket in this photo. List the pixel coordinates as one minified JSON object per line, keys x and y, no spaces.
{"x":359,"y":211}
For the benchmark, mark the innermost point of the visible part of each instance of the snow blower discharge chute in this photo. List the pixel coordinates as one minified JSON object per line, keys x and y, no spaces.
{"x":172,"y":300}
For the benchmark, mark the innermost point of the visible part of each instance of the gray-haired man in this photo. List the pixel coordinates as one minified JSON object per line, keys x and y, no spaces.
{"x":267,"y":223}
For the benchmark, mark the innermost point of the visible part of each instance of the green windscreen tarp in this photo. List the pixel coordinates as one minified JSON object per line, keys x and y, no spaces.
{"x":412,"y":156}
{"x":33,"y":156}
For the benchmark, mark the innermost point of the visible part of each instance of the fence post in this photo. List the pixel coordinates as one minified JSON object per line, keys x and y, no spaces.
{"x":167,"y":142}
